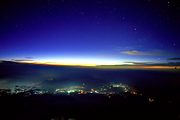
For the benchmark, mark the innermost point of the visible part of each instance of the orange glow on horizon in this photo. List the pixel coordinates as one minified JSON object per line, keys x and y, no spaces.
{"x":155,"y":67}
{"x":72,"y":62}
{"x":106,"y":66}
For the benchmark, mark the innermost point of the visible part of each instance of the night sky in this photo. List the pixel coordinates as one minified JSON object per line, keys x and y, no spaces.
{"x":88,"y":32}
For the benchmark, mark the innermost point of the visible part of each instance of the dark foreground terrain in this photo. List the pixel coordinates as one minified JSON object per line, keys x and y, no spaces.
{"x":160,"y":98}
{"x":87,"y":107}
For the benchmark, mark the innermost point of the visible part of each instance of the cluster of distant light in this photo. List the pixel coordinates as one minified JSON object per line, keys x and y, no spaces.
{"x":71,"y":89}
{"x":108,"y":89}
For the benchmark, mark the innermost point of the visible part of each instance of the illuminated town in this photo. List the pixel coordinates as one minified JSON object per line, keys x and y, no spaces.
{"x":107,"y":89}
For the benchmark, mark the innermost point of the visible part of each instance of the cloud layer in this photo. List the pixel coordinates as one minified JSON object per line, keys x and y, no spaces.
{"x":21,"y":60}
{"x":140,"y":53}
{"x":173,"y":58}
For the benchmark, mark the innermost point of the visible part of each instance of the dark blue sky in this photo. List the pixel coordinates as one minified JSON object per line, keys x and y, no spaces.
{"x":97,"y":31}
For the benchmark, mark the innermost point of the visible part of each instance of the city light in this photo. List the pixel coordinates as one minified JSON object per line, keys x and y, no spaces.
{"x":107,"y":89}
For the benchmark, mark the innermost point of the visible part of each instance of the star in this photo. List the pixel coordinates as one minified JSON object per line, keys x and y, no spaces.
{"x":96,"y":17}
{"x":169,"y":3}
{"x":174,"y":44}
{"x":123,"y":18}
{"x":82,"y":13}
{"x":97,"y":22}
{"x":17,"y":26}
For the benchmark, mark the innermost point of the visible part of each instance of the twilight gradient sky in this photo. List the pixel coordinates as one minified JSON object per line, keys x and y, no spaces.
{"x":90,"y":31}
